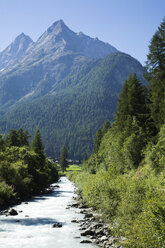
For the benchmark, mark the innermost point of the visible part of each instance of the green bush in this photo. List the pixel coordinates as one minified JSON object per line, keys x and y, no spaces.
{"x":6,"y":194}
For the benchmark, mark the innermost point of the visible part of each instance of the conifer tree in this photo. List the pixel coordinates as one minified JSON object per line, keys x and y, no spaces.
{"x":106,"y":126}
{"x":37,"y":145}
{"x":23,"y":137}
{"x":122,"y":107}
{"x":97,"y":141}
{"x":131,"y":103}
{"x":12,"y":138}
{"x":156,"y":68}
{"x":2,"y":142}
{"x":156,"y":57}
{"x":63,"y":158}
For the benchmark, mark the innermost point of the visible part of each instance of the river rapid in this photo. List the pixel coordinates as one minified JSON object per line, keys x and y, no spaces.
{"x":32,"y":228}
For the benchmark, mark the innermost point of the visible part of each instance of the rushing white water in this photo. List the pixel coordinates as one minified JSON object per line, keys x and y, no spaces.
{"x":32,"y":228}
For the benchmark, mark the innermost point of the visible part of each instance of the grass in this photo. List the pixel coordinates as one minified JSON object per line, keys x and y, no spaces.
{"x":74,"y":168}
{"x":70,"y":168}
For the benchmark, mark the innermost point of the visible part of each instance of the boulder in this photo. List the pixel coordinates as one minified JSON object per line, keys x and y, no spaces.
{"x":86,"y":241}
{"x":57,"y":225}
{"x":75,"y":221}
{"x":56,"y":186}
{"x":75,"y":205}
{"x":103,"y":238}
{"x":13,"y":212}
{"x":87,"y":232}
{"x":88,"y":215}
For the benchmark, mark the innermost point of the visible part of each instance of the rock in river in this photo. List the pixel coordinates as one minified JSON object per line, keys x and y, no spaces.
{"x":13,"y":212}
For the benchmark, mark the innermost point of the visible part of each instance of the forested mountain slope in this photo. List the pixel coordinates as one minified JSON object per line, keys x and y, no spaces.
{"x":75,"y":108}
{"x":58,"y":52}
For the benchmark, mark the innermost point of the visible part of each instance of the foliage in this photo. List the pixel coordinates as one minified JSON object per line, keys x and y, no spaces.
{"x":63,"y":158}
{"x":37,"y":146}
{"x":17,"y":138}
{"x":156,"y":69}
{"x":73,"y":168}
{"x":21,"y":173}
{"x":76,"y":106}
{"x":155,"y":153}
{"x":128,"y":185}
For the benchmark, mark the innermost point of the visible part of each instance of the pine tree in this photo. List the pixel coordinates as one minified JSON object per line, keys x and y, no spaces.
{"x":132,"y":102}
{"x":2,"y":142}
{"x":97,"y":141}
{"x":12,"y":138}
{"x":23,"y":137}
{"x":156,"y":57}
{"x":122,"y":107}
{"x":37,"y":145}
{"x":156,"y":68}
{"x":106,"y":126}
{"x":63,"y":158}
{"x":130,"y":125}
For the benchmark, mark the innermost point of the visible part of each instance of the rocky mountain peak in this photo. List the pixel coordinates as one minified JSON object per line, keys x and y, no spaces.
{"x":21,"y":43}
{"x":59,"y":39}
{"x":58,"y":26}
{"x":23,"y":38}
{"x":56,"y":29}
{"x":15,"y":50}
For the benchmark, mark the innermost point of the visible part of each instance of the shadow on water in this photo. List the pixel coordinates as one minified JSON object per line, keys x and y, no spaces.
{"x":30,"y":221}
{"x":53,"y":194}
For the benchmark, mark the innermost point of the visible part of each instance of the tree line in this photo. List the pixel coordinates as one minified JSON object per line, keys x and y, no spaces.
{"x":24,"y":168}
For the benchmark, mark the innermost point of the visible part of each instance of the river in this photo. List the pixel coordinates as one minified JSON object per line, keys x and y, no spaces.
{"x":32,"y":228}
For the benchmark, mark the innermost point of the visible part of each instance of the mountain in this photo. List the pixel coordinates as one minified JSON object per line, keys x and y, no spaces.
{"x":58,"y":52}
{"x":15,"y":50}
{"x":72,"y":114}
{"x":59,"y":40}
{"x":67,"y":84}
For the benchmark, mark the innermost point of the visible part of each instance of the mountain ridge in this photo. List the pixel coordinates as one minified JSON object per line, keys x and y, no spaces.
{"x":67,"y":84}
{"x":57,"y":52}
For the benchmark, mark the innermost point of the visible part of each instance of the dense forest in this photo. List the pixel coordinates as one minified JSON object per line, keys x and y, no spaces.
{"x":24,"y":169}
{"x":125,"y":175}
{"x":75,"y":108}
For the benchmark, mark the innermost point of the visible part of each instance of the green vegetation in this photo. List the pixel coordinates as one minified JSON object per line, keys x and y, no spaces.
{"x":75,"y":107}
{"x":24,"y":169}
{"x":63,"y":158}
{"x":125,"y":176}
{"x":73,"y":168}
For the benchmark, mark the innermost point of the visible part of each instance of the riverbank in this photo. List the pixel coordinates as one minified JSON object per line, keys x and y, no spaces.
{"x":93,"y":228}
{"x":34,"y":226}
{"x":19,"y":200}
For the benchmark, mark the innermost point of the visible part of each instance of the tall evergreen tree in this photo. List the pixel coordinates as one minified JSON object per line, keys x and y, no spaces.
{"x":23,"y":137}
{"x":156,"y":68}
{"x":132,"y":102}
{"x":97,"y":141}
{"x":122,"y":107}
{"x":17,"y":138}
{"x":63,"y":158}
{"x":2,"y":142}
{"x":12,"y":138}
{"x":156,"y":57}
{"x":37,"y":145}
{"x":106,"y":126}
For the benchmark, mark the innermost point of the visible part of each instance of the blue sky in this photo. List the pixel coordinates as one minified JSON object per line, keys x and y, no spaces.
{"x":126,"y":24}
